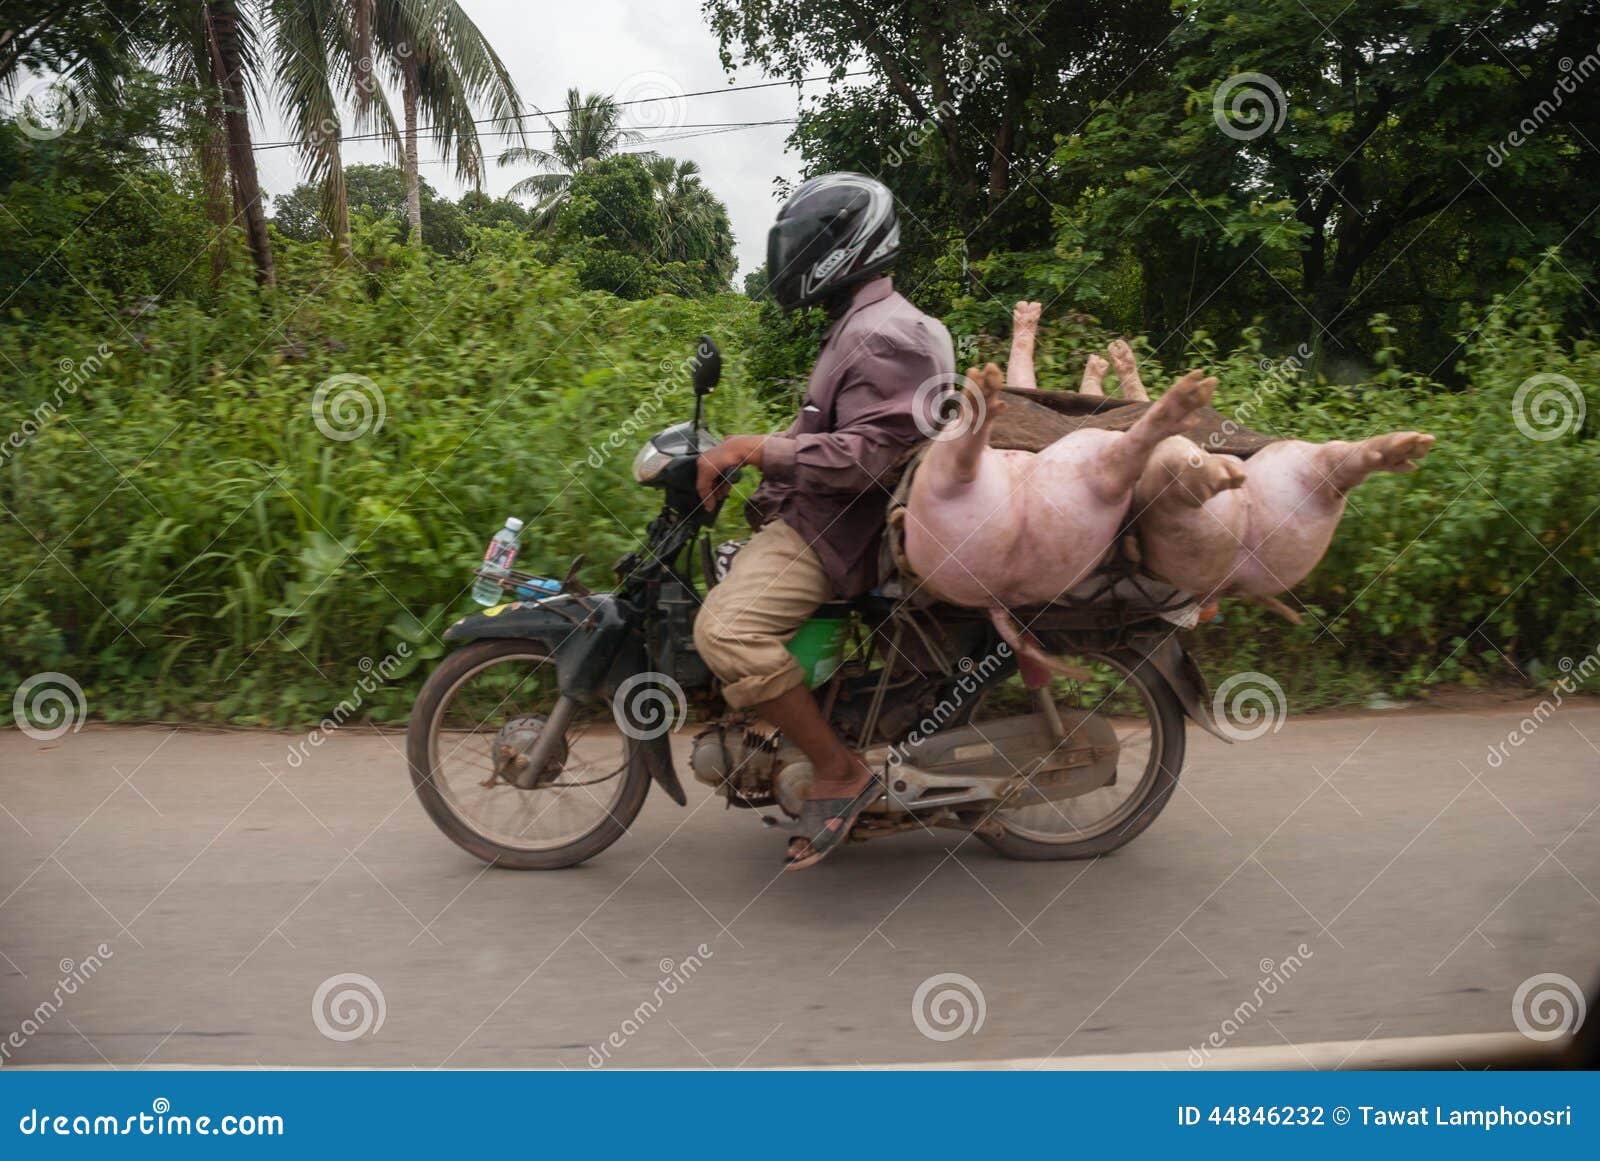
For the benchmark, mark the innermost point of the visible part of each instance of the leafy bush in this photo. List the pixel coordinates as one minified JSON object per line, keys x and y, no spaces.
{"x":186,"y":543}
{"x":189,"y":544}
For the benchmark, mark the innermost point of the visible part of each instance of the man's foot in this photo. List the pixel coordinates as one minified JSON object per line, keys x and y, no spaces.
{"x":829,"y":812}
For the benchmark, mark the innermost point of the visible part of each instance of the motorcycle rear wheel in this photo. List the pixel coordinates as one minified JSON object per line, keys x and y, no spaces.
{"x":1150,"y":724}
{"x":463,"y":708}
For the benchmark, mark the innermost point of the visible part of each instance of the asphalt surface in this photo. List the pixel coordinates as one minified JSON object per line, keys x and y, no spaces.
{"x":227,"y":887}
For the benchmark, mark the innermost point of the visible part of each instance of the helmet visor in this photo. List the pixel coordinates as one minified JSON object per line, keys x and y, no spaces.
{"x":794,"y":246}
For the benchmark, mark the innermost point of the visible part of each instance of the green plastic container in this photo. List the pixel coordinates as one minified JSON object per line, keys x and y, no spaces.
{"x":819,"y":646}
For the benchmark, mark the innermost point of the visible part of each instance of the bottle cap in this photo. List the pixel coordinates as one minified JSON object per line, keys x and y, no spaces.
{"x":514,"y":524}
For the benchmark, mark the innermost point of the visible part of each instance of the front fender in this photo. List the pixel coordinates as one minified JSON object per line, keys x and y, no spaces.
{"x":595,"y":647}
{"x":585,"y":635}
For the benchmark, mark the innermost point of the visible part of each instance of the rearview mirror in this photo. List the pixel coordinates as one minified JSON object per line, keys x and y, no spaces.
{"x":707,"y":366}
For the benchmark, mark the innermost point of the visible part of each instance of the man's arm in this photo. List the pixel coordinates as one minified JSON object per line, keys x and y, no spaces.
{"x":875,"y":414}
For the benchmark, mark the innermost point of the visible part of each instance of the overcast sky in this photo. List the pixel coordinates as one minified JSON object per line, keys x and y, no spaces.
{"x":628,"y":48}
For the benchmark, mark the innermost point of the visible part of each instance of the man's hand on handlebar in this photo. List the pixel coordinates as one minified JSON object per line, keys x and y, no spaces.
{"x":715,"y":468}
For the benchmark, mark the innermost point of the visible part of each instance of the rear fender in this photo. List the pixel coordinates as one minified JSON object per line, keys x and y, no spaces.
{"x":1179,"y":670}
{"x":595,"y":648}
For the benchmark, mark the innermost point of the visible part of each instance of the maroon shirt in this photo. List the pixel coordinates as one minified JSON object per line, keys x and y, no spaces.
{"x":828,"y":476}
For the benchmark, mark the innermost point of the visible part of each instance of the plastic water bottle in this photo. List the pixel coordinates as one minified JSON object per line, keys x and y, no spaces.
{"x":497,"y":560}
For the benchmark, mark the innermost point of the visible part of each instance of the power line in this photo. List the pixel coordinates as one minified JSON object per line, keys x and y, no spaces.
{"x":424,"y":136}
{"x":537,"y":112}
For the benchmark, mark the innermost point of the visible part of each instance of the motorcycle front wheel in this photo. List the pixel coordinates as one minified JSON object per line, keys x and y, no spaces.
{"x":1124,"y":689}
{"x":478,"y":715}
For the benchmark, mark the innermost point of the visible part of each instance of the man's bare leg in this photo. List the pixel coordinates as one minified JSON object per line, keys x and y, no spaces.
{"x":836,"y":771}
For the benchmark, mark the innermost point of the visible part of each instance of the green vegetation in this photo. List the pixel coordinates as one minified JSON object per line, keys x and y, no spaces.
{"x":1182,"y":167}
{"x":191,"y":537}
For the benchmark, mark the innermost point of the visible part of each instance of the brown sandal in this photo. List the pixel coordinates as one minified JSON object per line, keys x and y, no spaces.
{"x":825,"y":824}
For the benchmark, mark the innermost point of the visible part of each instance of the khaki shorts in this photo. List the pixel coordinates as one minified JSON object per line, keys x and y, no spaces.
{"x":773,"y":586}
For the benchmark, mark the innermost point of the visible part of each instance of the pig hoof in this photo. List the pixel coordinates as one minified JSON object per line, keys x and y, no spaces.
{"x":987,"y":385}
{"x":1213,"y":474}
{"x":1175,"y":409}
{"x":1197,"y":476}
{"x":1398,"y":451}
{"x":1127,"y":369}
{"x":1094,"y":375}
{"x":1025,"y":318}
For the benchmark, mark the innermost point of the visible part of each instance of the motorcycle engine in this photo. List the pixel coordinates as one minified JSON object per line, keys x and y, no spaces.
{"x":747,"y":766}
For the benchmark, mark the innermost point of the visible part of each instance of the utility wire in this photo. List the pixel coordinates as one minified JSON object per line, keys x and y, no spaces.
{"x":537,"y":112}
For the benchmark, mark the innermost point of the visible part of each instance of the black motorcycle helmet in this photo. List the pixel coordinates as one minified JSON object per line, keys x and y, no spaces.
{"x":836,"y":230}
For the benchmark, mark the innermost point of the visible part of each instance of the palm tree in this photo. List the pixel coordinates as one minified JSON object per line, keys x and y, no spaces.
{"x":593,"y":131}
{"x":445,"y":65}
{"x":693,"y":222}
{"x":224,"y":55}
{"x":316,"y":62}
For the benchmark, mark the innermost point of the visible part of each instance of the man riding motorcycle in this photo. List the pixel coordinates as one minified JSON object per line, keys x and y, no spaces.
{"x":819,"y":511}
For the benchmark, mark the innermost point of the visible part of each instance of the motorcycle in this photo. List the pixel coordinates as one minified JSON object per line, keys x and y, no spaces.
{"x":533,"y":746}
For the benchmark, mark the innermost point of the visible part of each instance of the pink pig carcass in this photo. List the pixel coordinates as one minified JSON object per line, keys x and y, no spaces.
{"x":1216,"y":525}
{"x":999,"y":529}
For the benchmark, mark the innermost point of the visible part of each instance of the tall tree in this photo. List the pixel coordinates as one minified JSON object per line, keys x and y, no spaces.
{"x":693,"y":224}
{"x":229,"y":40}
{"x":446,"y":69}
{"x":965,"y":96}
{"x":592,"y":131}
{"x":1385,"y":158}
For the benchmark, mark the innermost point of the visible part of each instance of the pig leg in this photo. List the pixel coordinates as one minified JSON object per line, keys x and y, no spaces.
{"x":1181,"y":474}
{"x":1344,"y":465}
{"x":1192,"y":521}
{"x":954,"y":460}
{"x":1094,"y":376}
{"x":1024,"y":333}
{"x":1121,"y":461}
{"x":1296,"y":493}
{"x":1128,"y":381}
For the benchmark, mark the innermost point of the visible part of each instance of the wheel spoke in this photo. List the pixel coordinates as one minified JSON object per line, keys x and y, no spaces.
{"x":504,"y":700}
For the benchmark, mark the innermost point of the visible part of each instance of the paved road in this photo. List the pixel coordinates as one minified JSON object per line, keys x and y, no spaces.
{"x":1425,"y":884}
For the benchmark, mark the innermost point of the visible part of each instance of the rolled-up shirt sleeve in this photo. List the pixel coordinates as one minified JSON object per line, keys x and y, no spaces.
{"x":875,"y":420}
